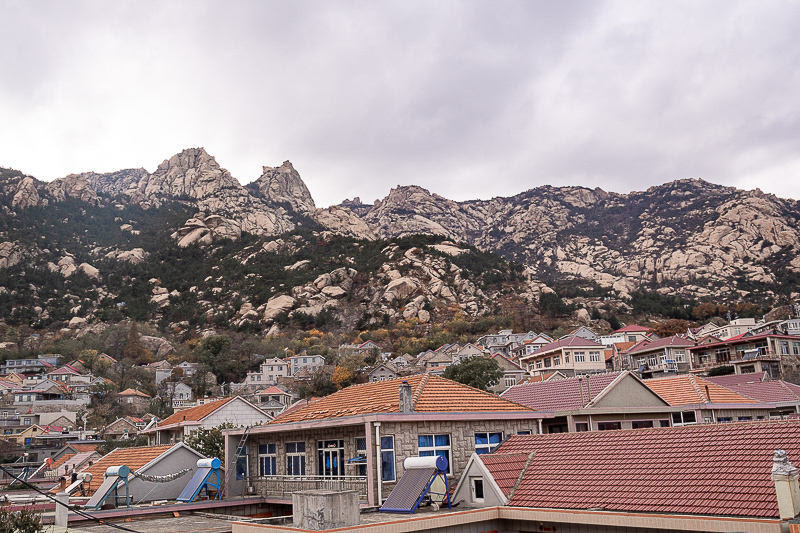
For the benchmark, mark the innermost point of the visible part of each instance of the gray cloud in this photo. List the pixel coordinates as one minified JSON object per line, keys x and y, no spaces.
{"x":469,"y":99}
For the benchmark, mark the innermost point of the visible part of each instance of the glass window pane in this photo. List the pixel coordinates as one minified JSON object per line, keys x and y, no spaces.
{"x":290,"y":447}
{"x":387,"y":443}
{"x":481,"y":451}
{"x":262,"y":449}
{"x":442,"y":440}
{"x":495,"y":438}
{"x":425,"y":441}
{"x":301,"y":447}
{"x":271,"y":448}
{"x":425,"y":453}
{"x":387,"y":466}
{"x":481,"y":438}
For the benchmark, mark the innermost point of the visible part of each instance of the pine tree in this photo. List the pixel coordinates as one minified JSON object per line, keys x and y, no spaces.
{"x":133,"y":348}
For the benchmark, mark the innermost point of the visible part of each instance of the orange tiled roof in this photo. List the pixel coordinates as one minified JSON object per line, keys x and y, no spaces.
{"x":432,"y":394}
{"x":132,"y":392}
{"x":194,"y":414}
{"x":690,"y":390}
{"x":133,"y":458}
{"x":82,"y":447}
{"x":61,"y":460}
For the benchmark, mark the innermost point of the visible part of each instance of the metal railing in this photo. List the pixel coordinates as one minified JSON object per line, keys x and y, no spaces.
{"x":738,"y":360}
{"x":284,"y":486}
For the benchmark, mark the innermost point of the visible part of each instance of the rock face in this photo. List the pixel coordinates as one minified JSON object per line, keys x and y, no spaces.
{"x":682,"y":236}
{"x":283,"y":185}
{"x":342,"y":221}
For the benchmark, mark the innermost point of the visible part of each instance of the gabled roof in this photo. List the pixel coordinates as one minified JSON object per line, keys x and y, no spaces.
{"x":432,"y":394}
{"x":621,"y":347}
{"x":735,"y":379}
{"x":777,"y":391}
{"x":194,"y":414}
{"x":674,"y":341}
{"x":715,"y":469}
{"x":633,"y":328}
{"x":565,"y":342}
{"x":274,"y":390}
{"x":505,"y":468}
{"x":686,"y":389}
{"x":133,"y":458}
{"x":132,"y":392}
{"x":562,"y":394}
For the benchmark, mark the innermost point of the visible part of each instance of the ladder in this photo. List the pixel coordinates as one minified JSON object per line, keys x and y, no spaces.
{"x":231,"y":469}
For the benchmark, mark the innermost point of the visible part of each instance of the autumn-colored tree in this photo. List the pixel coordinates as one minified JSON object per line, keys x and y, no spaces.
{"x":342,"y":376}
{"x":672,"y":327}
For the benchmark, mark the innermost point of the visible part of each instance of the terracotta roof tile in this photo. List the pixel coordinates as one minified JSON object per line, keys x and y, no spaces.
{"x":769,"y":391}
{"x":658,"y":344}
{"x":505,"y":468}
{"x":132,"y":392}
{"x":633,"y":328}
{"x":561,"y":394}
{"x":735,"y":379}
{"x":690,"y":390}
{"x":82,"y":447}
{"x":432,"y":394}
{"x":719,"y":469}
{"x":133,"y":458}
{"x":194,"y":414}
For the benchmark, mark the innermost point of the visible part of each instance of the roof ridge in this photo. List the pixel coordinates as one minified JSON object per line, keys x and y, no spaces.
{"x":420,"y":386}
{"x":521,"y":475}
{"x":693,"y":382}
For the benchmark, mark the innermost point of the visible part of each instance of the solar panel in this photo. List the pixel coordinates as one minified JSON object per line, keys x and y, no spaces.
{"x":409,"y":490}
{"x":109,"y":484}
{"x":195,"y":485}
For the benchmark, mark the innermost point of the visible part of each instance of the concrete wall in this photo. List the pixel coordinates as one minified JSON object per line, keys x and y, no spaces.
{"x":629,"y":392}
{"x":238,"y":412}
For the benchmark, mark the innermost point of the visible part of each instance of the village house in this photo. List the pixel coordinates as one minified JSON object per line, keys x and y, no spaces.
{"x":661,"y":356}
{"x":235,"y":410}
{"x":274,"y":400}
{"x":512,"y":373}
{"x":530,"y":346}
{"x":359,"y":436}
{"x":633,"y":333}
{"x":769,"y":352}
{"x":137,"y":401}
{"x":504,"y":341}
{"x":383,"y":372}
{"x":41,"y":363}
{"x":308,"y":363}
{"x":269,"y":372}
{"x":570,"y":355}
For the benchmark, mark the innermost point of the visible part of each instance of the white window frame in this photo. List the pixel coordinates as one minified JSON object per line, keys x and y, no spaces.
{"x":580,"y":357}
{"x":426,"y":451}
{"x":490,"y":446}
{"x":300,"y":459}
{"x":269,"y":458}
{"x":594,"y":357}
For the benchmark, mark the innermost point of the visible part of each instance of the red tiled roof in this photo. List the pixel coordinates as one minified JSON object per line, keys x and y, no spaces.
{"x":133,"y":458}
{"x":735,"y":379}
{"x":82,"y":447}
{"x":769,"y":391}
{"x":132,"y":392}
{"x":273,"y":390}
{"x":561,"y":394}
{"x":675,"y":340}
{"x":721,"y":469}
{"x":194,"y":414}
{"x":432,"y":394}
{"x":505,"y":468}
{"x":566,"y":342}
{"x":690,"y":390}
{"x":633,"y":328}
{"x":622,"y":346}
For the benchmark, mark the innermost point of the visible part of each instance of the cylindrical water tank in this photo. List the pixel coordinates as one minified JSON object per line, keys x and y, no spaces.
{"x":86,"y":476}
{"x":121,"y":471}
{"x":208,"y":463}
{"x":432,"y":461}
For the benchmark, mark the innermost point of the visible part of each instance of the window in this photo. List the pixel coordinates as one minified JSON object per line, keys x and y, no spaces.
{"x":295,"y":458}
{"x":566,"y":359}
{"x":556,"y":360}
{"x":510,"y":381}
{"x":796,"y":348}
{"x":429,"y":445}
{"x":680,"y":356}
{"x":539,"y":364}
{"x":524,"y":432}
{"x":663,"y":423}
{"x":241,"y":464}
{"x":608,"y":426}
{"x":784,"y":347}
{"x":581,"y":427}
{"x":580,"y":357}
{"x":361,"y":451}
{"x":684,"y":418}
{"x":387,"y":458}
{"x":744,"y":418}
{"x":330,"y":455}
{"x":267,"y":460}
{"x":477,"y":489}
{"x":724,"y":419}
{"x":638,"y":424}
{"x":547,"y":362}
{"x":486,"y":442}
{"x":594,"y":357}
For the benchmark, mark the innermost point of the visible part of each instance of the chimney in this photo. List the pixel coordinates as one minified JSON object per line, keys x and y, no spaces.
{"x":785,"y":476}
{"x":406,"y":398}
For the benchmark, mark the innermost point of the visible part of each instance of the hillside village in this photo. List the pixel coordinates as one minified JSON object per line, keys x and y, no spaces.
{"x":175,"y":317}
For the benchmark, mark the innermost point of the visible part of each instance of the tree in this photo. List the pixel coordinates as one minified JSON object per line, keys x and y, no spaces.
{"x":22,"y":521}
{"x":133,"y":348}
{"x":209,"y":442}
{"x":479,"y":372}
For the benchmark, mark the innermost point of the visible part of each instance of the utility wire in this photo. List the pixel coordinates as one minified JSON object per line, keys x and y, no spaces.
{"x":68,"y":506}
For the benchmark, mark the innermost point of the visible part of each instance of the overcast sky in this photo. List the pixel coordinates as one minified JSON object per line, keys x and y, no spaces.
{"x":470,"y":99}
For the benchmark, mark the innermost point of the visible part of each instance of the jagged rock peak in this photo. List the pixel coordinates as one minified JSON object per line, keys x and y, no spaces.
{"x":284,"y":185}
{"x":193,"y":173}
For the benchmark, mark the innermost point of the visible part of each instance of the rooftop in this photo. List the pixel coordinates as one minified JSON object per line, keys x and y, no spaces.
{"x":133,"y":458}
{"x":706,"y":469}
{"x":675,"y":340}
{"x":194,"y":414}
{"x":686,"y":389}
{"x":432,"y":394}
{"x":561,"y":394}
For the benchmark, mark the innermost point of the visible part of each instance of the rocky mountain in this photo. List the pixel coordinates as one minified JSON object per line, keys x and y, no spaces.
{"x":188,"y":244}
{"x":689,"y":236}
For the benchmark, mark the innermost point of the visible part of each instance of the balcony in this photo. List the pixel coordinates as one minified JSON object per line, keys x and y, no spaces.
{"x":764,"y":355}
{"x":284,"y":486}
